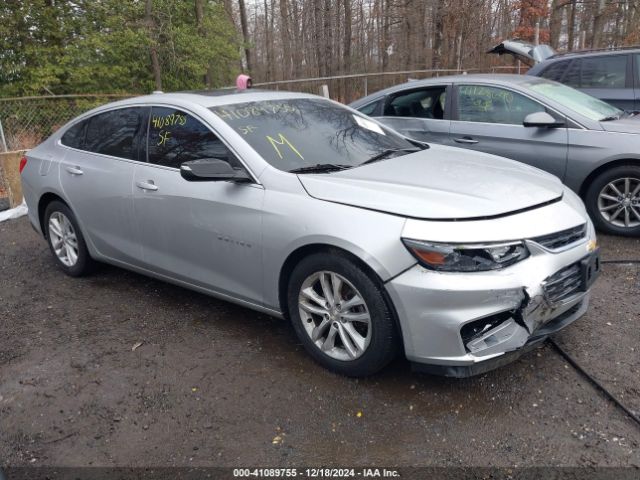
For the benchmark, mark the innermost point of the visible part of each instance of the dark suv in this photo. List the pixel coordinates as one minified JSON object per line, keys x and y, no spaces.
{"x":610,"y":75}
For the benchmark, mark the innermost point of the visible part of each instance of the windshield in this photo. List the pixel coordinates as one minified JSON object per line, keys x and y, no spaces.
{"x":292,"y":134}
{"x":575,"y":100}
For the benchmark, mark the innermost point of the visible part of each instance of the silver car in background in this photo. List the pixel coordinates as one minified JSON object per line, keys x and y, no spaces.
{"x":302,"y":208}
{"x":592,"y":147}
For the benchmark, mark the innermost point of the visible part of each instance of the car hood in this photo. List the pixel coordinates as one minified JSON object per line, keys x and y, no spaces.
{"x":624,"y":125}
{"x":441,"y":183}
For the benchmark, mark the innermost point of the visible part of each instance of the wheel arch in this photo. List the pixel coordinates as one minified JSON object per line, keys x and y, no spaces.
{"x":297,"y":255}
{"x":43,"y":203}
{"x":619,"y":162}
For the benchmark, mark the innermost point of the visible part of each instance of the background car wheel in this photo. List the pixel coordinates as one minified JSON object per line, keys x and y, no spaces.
{"x":613,"y":201}
{"x":341,"y":315}
{"x":66,"y":241}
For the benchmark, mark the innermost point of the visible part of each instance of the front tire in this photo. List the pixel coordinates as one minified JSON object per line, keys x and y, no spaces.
{"x":341,"y":315}
{"x":66,"y":241}
{"x":613,"y":201}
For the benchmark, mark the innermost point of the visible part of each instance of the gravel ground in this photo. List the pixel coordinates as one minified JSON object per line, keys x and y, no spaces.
{"x":213,"y":384}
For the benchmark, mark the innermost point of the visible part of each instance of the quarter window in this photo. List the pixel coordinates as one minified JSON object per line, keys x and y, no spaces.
{"x":74,"y":136}
{"x":424,"y":103}
{"x":479,"y":103}
{"x":176,"y":137}
{"x":115,"y":133}
{"x":369,"y":109}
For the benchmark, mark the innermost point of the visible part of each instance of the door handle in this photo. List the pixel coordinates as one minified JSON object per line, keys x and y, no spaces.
{"x":148,"y":185}
{"x":466,"y":140}
{"x":74,"y":170}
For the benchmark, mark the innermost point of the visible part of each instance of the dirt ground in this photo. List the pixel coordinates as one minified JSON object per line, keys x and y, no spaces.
{"x":213,"y":384}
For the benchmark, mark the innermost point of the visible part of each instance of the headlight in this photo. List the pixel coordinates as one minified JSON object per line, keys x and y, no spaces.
{"x":466,"y":258}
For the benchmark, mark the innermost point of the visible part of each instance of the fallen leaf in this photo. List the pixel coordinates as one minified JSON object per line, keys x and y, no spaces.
{"x":136,"y":346}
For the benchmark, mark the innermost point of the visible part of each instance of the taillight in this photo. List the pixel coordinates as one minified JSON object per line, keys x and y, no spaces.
{"x":23,"y":163}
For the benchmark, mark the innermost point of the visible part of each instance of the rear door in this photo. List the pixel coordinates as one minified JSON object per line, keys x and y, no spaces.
{"x":205,"y":233}
{"x":419,"y":113}
{"x":97,"y":175}
{"x":490,"y":119}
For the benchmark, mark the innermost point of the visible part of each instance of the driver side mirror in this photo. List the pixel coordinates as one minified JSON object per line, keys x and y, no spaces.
{"x":212,"y":170}
{"x":542,"y":120}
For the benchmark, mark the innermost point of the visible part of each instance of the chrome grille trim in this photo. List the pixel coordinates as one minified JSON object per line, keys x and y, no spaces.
{"x":563,"y":284}
{"x":559,"y":240}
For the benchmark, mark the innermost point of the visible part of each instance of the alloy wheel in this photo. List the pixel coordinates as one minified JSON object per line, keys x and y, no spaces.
{"x":63,"y":239}
{"x":335,"y":315}
{"x":619,"y":202}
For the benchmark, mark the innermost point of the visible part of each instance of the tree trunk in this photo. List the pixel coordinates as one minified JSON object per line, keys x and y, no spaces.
{"x":571,"y":34}
{"x":199,"y":11}
{"x":555,"y":22}
{"x":438,"y":27}
{"x":245,"y":34}
{"x":153,"y":49}
{"x":598,"y":25}
{"x":346,"y":50}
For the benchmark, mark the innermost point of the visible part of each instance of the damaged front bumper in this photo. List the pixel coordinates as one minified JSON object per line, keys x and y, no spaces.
{"x":463,"y":324}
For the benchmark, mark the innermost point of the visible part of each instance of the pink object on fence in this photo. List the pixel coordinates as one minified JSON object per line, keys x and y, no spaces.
{"x":243,"y":82}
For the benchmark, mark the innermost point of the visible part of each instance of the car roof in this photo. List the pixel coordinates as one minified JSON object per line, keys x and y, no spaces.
{"x":595,"y":52}
{"x":504,"y":79}
{"x":212,"y":98}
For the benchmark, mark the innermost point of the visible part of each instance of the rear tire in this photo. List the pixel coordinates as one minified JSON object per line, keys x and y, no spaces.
{"x":66,"y":240}
{"x":613,"y":202}
{"x":341,"y":315}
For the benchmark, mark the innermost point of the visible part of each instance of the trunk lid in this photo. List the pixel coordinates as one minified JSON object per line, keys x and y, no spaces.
{"x":531,"y":54}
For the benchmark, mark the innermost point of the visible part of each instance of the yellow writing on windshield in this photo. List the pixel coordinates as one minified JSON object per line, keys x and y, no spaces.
{"x":282,"y":141}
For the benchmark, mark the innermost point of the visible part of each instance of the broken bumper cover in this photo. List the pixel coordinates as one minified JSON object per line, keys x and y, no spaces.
{"x":463,"y":324}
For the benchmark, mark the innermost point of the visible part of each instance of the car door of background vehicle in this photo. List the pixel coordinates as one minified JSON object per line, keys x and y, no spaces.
{"x":204,"y":233}
{"x":97,"y":177}
{"x":419,"y":113}
{"x":489,"y":119}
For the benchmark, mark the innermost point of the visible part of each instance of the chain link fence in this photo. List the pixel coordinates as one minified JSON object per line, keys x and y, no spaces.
{"x":347,"y":88}
{"x":27,"y":121}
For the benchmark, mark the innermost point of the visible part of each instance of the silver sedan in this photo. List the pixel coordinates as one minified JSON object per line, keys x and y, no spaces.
{"x":592,"y":147}
{"x":294,"y":205}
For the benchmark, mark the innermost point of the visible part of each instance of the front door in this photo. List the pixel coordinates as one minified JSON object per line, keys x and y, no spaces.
{"x":490,"y":119}
{"x":204,"y":233}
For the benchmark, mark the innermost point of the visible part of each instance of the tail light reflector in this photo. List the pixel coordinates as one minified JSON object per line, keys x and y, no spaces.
{"x":23,"y":163}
